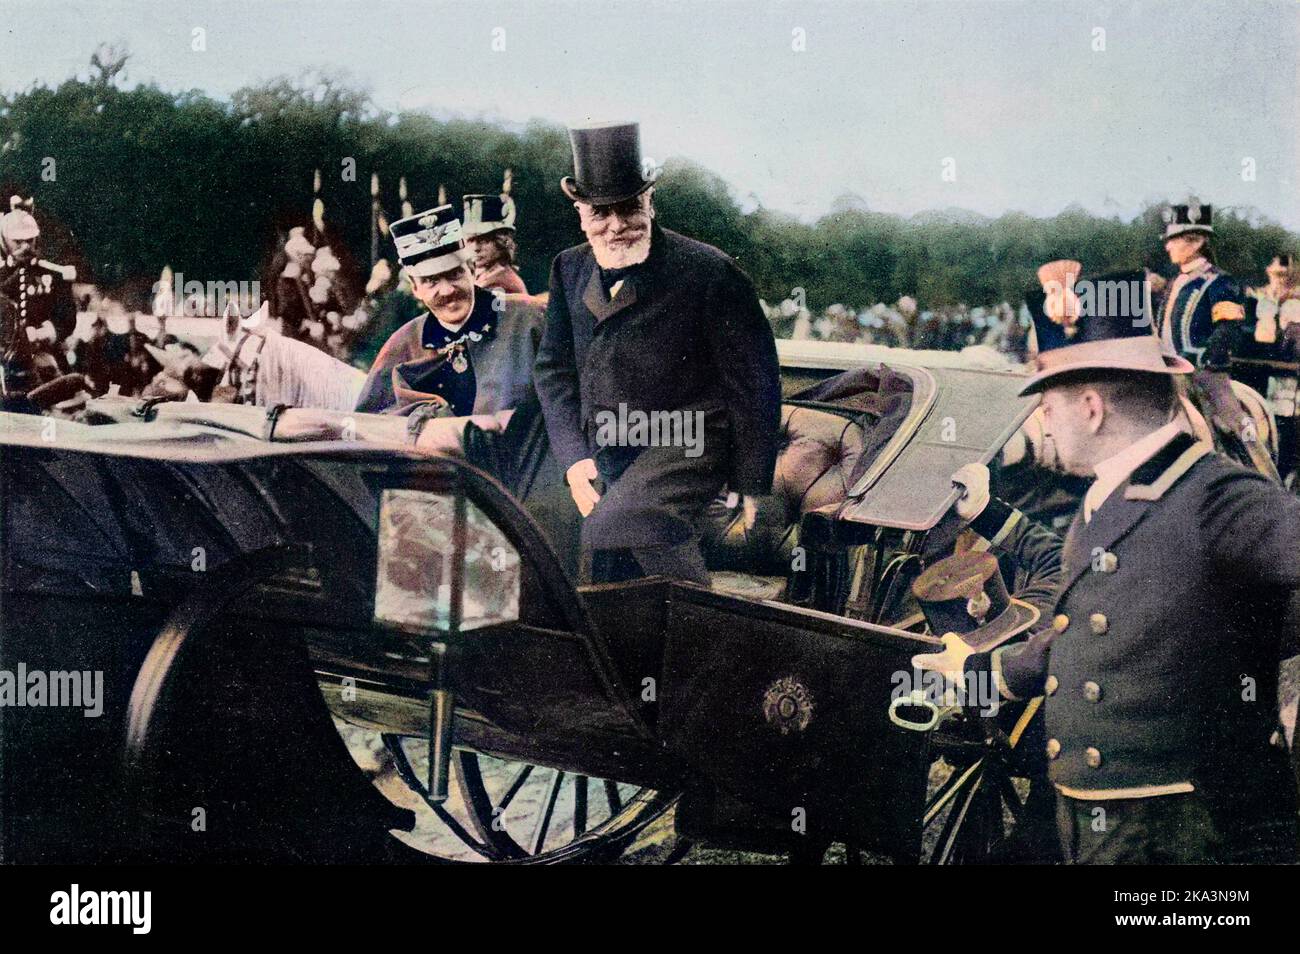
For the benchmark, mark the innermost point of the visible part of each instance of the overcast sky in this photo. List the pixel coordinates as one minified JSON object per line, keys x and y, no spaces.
{"x":1034,"y":118}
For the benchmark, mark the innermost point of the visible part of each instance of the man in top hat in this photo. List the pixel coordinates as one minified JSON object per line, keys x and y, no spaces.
{"x":465,"y":354}
{"x":1159,"y":664}
{"x":39,"y":313}
{"x":490,"y":231}
{"x":642,"y":321}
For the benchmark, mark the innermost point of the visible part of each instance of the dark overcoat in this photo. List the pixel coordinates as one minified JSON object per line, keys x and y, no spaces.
{"x":684,"y":332}
{"x":1160,"y":655}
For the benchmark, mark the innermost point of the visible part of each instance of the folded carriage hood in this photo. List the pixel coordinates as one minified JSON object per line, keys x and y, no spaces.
{"x":965,"y":407}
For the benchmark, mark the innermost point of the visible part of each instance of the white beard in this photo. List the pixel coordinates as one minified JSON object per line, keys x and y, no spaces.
{"x":620,"y":256}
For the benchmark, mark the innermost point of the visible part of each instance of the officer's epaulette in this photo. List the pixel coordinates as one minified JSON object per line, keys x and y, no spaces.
{"x":1152,"y":479}
{"x":67,"y":272}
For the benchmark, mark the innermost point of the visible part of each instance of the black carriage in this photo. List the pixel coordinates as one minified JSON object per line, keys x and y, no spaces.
{"x":338,"y":650}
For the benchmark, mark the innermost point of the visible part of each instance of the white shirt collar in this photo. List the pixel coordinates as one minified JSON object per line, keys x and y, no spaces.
{"x":1114,"y":470}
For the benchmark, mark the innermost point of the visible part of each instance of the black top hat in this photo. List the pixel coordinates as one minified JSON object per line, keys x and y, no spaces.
{"x":606,"y":164}
{"x":1098,"y":323}
{"x":1192,"y":217}
{"x":965,"y":594}
{"x":430,"y":242}
{"x":488,"y":213}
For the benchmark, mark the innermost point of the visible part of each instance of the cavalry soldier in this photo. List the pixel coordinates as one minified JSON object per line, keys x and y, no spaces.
{"x":1202,"y":320}
{"x":490,"y":231}
{"x":1159,"y":664}
{"x":291,"y":284}
{"x":39,"y":314}
{"x":644,"y":321}
{"x":1203,"y":303}
{"x":466,"y":354}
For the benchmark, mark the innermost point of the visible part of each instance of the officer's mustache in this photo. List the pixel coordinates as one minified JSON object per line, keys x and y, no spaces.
{"x":449,"y":300}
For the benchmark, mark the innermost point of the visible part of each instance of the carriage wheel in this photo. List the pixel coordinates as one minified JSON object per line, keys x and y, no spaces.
{"x":971,"y":817}
{"x":526,"y":814}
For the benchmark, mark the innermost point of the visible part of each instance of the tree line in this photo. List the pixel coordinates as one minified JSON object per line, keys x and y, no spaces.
{"x":129,"y":180}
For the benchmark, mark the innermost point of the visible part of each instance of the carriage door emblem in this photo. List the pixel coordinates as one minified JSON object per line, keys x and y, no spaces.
{"x":788,"y":705}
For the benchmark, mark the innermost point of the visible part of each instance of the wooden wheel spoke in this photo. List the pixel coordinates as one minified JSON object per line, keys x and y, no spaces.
{"x":1007,"y":789}
{"x":613,"y":797}
{"x":515,"y":785}
{"x":954,"y":827}
{"x":579,"y":805}
{"x":548,"y":812}
{"x":406,"y":772}
{"x":946,"y":792}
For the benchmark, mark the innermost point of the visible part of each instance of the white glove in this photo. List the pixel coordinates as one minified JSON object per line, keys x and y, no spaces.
{"x":974,"y":480}
{"x":579,"y":478}
{"x":951,"y":662}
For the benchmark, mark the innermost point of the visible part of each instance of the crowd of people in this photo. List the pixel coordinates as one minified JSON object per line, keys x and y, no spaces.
{"x":904,"y":324}
{"x":1138,"y":382}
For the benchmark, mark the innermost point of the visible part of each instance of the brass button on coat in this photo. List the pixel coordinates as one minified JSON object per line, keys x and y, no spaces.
{"x":1092,"y":757}
{"x":1053,"y":748}
{"x":1092,"y":691}
{"x":1051,"y":684}
{"x":1099,"y":623}
{"x":1061,"y":623}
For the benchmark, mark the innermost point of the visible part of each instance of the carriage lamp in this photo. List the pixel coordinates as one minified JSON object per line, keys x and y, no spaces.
{"x":420,"y":558}
{"x":444,"y":569}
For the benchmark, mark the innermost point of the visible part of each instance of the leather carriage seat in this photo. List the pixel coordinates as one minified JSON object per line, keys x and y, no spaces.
{"x":818,"y":454}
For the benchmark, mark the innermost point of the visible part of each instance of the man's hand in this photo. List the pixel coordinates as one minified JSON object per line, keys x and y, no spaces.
{"x":951,"y":662}
{"x":973,"y":479}
{"x":579,"y":478}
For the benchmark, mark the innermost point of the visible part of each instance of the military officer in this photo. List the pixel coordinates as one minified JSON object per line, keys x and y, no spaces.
{"x":36,"y":298}
{"x":644,"y":321}
{"x":1159,"y":662}
{"x":1202,"y":319}
{"x":469,"y":353}
{"x":1203,"y":302}
{"x":490,"y":231}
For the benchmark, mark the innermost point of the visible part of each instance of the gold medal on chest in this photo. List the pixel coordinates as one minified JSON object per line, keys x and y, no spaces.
{"x":459,"y":363}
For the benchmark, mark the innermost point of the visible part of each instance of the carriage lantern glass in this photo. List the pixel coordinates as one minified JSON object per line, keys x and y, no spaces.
{"x":413,"y":590}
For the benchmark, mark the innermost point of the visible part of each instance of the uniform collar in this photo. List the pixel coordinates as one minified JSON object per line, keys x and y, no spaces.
{"x":1114,"y":470}
{"x":1152,"y":479}
{"x":480,"y":321}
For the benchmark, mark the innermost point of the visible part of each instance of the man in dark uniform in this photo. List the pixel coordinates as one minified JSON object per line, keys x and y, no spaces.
{"x":1202,"y":319}
{"x":470,"y":353}
{"x":641,"y":322}
{"x":490,"y":232}
{"x":1159,"y":664}
{"x":39,"y":313}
